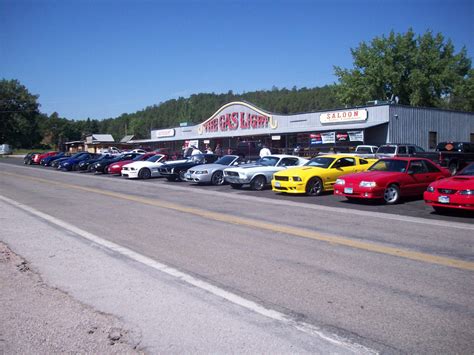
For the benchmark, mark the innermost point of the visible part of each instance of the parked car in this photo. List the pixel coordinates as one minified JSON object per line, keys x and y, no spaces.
{"x":55,"y":163}
{"x":71,"y":163}
{"x":398,"y":150}
{"x":144,"y":169}
{"x":260,"y":173}
{"x":116,"y":168}
{"x":101,"y":166}
{"x":36,"y":159}
{"x":86,"y":164}
{"x":175,"y":170}
{"x":212,"y":173}
{"x":319,"y":174}
{"x":48,"y":160}
{"x":391,"y":179}
{"x":28,"y":157}
{"x":456,"y":192}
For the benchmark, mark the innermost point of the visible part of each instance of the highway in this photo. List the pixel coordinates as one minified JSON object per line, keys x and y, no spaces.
{"x":284,"y":274}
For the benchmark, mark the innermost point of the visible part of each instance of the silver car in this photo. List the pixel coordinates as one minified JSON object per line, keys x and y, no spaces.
{"x":260,"y":173}
{"x":211,"y":173}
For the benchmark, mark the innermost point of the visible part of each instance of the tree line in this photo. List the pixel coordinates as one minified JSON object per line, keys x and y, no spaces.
{"x":421,"y":70}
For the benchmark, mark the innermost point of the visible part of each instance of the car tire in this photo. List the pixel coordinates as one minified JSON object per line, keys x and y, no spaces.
{"x":217,"y":178}
{"x":144,"y":174}
{"x":314,"y":187}
{"x":258,"y":183}
{"x":236,"y":186}
{"x":391,"y":195}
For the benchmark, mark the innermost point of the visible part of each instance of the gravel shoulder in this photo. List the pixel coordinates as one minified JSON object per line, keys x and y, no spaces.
{"x":36,"y":318}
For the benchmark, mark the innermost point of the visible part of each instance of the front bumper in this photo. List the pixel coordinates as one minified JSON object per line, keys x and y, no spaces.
{"x":236,"y":180}
{"x":454,"y":201}
{"x":359,"y":192}
{"x":198,"y":178}
{"x":131,"y":174}
{"x":289,"y":187}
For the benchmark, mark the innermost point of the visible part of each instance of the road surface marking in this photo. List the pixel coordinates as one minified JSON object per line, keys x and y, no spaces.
{"x":248,"y":222}
{"x":229,"y":296}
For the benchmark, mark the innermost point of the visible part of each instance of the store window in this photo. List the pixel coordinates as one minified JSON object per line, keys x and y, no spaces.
{"x":432,"y":140}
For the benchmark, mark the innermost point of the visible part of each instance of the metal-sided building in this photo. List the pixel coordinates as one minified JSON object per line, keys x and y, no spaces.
{"x":339,"y":129}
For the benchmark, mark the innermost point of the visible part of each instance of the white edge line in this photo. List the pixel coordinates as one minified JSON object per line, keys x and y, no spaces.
{"x":229,"y":296}
{"x":382,"y":215}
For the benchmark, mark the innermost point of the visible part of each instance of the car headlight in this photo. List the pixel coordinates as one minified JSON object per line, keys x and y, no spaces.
{"x":201,"y":172}
{"x":367,"y":184}
{"x":98,"y":165}
{"x":466,"y":192}
{"x":115,"y":166}
{"x":340,"y":182}
{"x":132,"y":168}
{"x":430,"y":189}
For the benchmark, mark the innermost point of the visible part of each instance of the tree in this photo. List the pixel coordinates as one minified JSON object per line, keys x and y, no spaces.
{"x":19,"y":115}
{"x":420,"y":71}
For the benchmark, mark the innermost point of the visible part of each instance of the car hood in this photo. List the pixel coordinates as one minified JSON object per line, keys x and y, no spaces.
{"x":373,"y":175}
{"x":142,"y":164}
{"x":455,"y":183}
{"x":302,"y":170}
{"x":253,"y":167}
{"x":209,"y":166}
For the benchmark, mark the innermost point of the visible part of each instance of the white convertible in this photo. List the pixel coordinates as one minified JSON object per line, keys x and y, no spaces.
{"x":144,"y":169}
{"x":260,"y":173}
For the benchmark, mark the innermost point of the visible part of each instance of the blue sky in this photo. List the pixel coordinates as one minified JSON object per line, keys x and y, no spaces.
{"x":102,"y":58}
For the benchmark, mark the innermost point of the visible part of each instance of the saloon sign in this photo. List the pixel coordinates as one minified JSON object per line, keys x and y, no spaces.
{"x":237,"y":116}
{"x":343,"y":116}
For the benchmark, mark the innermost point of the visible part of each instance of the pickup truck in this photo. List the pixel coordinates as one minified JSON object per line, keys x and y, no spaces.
{"x":451,"y":155}
{"x":366,"y":151}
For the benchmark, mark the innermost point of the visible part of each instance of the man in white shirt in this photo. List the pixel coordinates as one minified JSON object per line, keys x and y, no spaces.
{"x":195,"y":150}
{"x":264,"y":151}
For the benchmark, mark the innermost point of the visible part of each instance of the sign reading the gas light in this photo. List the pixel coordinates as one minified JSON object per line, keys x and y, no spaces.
{"x":237,"y":116}
{"x":343,"y":116}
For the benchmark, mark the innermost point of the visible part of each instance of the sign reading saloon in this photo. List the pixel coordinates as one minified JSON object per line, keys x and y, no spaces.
{"x":343,"y":116}
{"x":237,"y":116}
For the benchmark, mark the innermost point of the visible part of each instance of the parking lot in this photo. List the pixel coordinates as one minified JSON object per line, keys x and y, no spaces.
{"x":408,"y":207}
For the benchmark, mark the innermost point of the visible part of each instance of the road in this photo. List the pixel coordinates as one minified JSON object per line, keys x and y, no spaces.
{"x":394,"y":280}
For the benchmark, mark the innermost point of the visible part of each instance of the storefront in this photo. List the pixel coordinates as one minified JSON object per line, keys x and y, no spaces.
{"x":238,"y":123}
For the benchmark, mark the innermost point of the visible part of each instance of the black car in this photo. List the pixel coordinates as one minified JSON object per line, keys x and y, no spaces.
{"x":176,"y":170}
{"x":102,"y":165}
{"x":27,"y":160}
{"x":86,"y":165}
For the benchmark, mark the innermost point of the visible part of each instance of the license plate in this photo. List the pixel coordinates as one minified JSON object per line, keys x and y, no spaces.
{"x":443,"y":199}
{"x":348,"y":190}
{"x":277,"y":184}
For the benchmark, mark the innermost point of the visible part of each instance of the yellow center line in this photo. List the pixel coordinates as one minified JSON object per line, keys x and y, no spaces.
{"x":248,"y":222}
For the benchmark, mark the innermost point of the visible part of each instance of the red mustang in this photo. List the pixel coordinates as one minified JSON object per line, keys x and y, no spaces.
{"x":390,"y":179}
{"x":116,"y":168}
{"x":456,"y":192}
{"x":37,"y":157}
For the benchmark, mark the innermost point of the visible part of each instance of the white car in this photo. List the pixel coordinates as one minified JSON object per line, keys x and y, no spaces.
{"x":144,"y":169}
{"x":260,"y":173}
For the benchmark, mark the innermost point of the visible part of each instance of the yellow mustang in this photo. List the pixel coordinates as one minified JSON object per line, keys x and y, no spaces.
{"x":319,"y":174}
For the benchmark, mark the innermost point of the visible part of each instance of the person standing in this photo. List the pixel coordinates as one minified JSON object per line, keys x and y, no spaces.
{"x":219,"y":150}
{"x":264,"y":151}
{"x":195,"y":150}
{"x":208,"y":149}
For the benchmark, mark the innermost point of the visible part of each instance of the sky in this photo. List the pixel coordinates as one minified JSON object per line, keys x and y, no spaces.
{"x":102,"y":58}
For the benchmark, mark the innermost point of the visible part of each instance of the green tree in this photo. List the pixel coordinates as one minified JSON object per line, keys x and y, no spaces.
{"x":19,"y":115}
{"x":420,"y":71}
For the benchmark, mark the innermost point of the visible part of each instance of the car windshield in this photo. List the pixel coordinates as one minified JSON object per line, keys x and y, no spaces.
{"x":267,"y":161}
{"x":387,"y":149}
{"x":226,"y":160}
{"x":320,"y":162}
{"x":467,"y":171}
{"x":390,"y":165}
{"x":154,"y":158}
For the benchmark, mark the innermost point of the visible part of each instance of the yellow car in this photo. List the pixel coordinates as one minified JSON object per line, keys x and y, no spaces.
{"x":319,"y":174}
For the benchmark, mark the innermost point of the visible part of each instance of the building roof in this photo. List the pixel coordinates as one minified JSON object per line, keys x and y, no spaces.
{"x":126,"y":139}
{"x":103,"y":138}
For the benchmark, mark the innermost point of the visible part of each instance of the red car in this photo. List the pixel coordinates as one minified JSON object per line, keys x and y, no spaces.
{"x":390,"y":179}
{"x":456,"y":192}
{"x":37,"y":157}
{"x":116,"y":168}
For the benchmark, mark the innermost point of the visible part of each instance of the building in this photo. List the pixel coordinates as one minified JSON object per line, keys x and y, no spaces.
{"x":340,"y":129}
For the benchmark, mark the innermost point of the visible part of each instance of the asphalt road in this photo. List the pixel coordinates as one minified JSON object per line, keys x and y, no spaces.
{"x":391,"y":278}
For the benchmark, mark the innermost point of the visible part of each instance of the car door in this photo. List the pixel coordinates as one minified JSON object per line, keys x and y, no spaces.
{"x":419,"y":178}
{"x":341,"y":166}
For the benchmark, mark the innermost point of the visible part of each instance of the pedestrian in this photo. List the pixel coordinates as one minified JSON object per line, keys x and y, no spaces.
{"x":264,"y":151}
{"x":208,"y":149}
{"x":219,"y":150}
{"x":188,"y":151}
{"x":195,"y":150}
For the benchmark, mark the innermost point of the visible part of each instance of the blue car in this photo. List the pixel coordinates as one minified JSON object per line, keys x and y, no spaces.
{"x":48,"y":160}
{"x":71,"y":163}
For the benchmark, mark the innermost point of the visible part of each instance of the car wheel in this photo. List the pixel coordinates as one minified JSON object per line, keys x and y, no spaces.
{"x":314,"y":187}
{"x":236,"y":186}
{"x":258,"y":183}
{"x":391,"y":194}
{"x":144,"y":173}
{"x":453,"y":168}
{"x":217,"y":178}
{"x":181,"y":175}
